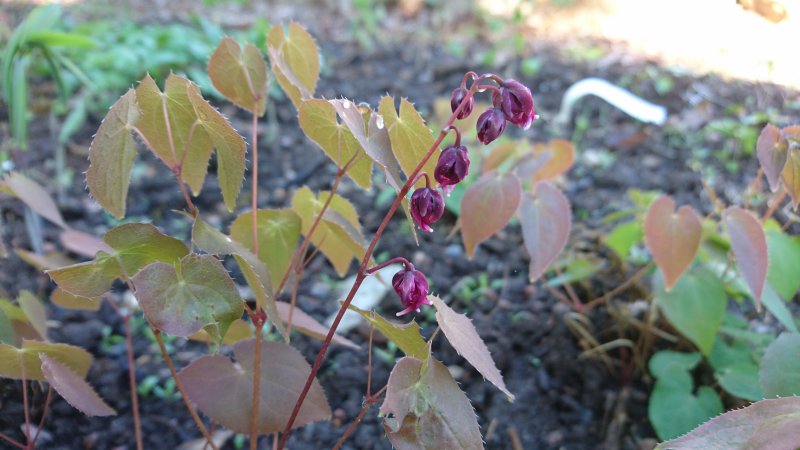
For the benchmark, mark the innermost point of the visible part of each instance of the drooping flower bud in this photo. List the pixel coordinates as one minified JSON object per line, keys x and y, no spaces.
{"x":412,"y":287}
{"x":455,"y":99}
{"x":491,"y":125}
{"x":516,"y":102}
{"x":427,"y":206}
{"x":452,"y":167}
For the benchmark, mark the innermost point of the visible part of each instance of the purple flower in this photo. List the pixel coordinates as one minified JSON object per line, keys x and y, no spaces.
{"x":455,"y":99}
{"x":491,"y":125}
{"x":516,"y":102}
{"x":427,"y":206}
{"x":452,"y":167}
{"x":412,"y":287}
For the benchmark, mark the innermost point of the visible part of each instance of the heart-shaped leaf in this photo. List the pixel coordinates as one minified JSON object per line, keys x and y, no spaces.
{"x":750,"y":247}
{"x":771,"y":154}
{"x":224,"y":391}
{"x":780,"y":367}
{"x":672,"y":238}
{"x":461,"y":334}
{"x":278,"y":232}
{"x":74,"y":389}
{"x":295,"y":61}
{"x":767,"y":424}
{"x":111,"y":155}
{"x":410,"y":137}
{"x":16,"y":361}
{"x":487,"y":207}
{"x":35,"y":196}
{"x":406,"y":336}
{"x":240,"y":74}
{"x":425,"y":409}
{"x":561,"y":156}
{"x":546,"y":219}
{"x":199,"y":294}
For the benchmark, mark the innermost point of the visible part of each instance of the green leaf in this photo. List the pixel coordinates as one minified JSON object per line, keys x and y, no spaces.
{"x":406,"y":336}
{"x":111,"y":155}
{"x":278,"y":233}
{"x":780,"y":367}
{"x":240,"y":75}
{"x":623,"y":237}
{"x":778,"y":308}
{"x":735,"y":369}
{"x":783,"y":273}
{"x":7,"y":335}
{"x":491,"y":202}
{"x":695,"y":306}
{"x":317,"y":118}
{"x":15,"y":361}
{"x":18,"y":102}
{"x":295,"y":61}
{"x":199,"y":294}
{"x":410,"y":137}
{"x":61,"y":39}
{"x":74,"y":389}
{"x":66,"y":300}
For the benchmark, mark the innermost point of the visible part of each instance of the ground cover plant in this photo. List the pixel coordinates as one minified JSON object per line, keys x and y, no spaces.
{"x":694,"y":257}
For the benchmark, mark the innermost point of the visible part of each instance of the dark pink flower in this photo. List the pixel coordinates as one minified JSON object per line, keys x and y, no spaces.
{"x":452,"y":167}
{"x":427,"y":206}
{"x":456,"y":98}
{"x":516,"y":101}
{"x":412,"y":287}
{"x":491,"y":125}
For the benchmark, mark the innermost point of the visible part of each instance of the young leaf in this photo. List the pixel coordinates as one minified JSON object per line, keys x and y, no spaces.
{"x":34,"y":311}
{"x":768,"y":424}
{"x":307,"y":325}
{"x":462,"y":335}
{"x":240,"y":75}
{"x":66,"y":300}
{"x":695,"y":306}
{"x":200,"y":294}
{"x":546,"y":219}
{"x":562,"y":155}
{"x":425,"y":409}
{"x":33,"y":195}
{"x":783,"y":273}
{"x":317,"y":118}
{"x":750,"y":247}
{"x":295,"y":61}
{"x":410,"y":137}
{"x":334,"y":236}
{"x":672,"y":238}
{"x":406,"y":336}
{"x":15,"y":361}
{"x":771,"y":154}
{"x":488,"y":205}
{"x":111,"y":155}
{"x":224,"y":392}
{"x":278,"y":233}
{"x":74,"y":389}
{"x":780,"y":366}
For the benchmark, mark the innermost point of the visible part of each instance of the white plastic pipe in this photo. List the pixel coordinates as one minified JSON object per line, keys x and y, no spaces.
{"x":636,"y":107}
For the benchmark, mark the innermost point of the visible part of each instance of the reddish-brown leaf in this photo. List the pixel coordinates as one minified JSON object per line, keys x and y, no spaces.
{"x":224,"y":391}
{"x":562,"y":155}
{"x":672,"y":237}
{"x":35,"y":196}
{"x":771,"y":154}
{"x":74,"y":389}
{"x":461,"y":334}
{"x":307,"y":325}
{"x":546,"y":219}
{"x":83,"y":244}
{"x":750,"y":247}
{"x":487,"y":207}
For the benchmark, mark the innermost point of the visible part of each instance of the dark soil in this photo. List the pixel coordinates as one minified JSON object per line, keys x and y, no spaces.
{"x":562,"y":401}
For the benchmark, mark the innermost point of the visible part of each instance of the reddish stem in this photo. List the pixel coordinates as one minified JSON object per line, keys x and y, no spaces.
{"x":44,"y":415}
{"x":12,"y":441}
{"x":25,"y":406}
{"x":398,"y":259}
{"x":255,"y":403}
{"x":137,"y":421}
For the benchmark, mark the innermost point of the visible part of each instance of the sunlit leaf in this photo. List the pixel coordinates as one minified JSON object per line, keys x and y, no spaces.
{"x":562,"y":155}
{"x":767,"y":424}
{"x":64,"y":299}
{"x":623,"y":237}
{"x":317,"y":118}
{"x":783,"y":273}
{"x":34,"y":196}
{"x":200,"y":294}
{"x":111,"y":155}
{"x":771,"y":154}
{"x":425,"y":409}
{"x":240,"y":74}
{"x":695,"y":306}
{"x":487,"y":207}
{"x":750,"y":247}
{"x":406,"y":336}
{"x":307,"y":325}
{"x":224,"y":391}
{"x":672,"y":238}
{"x":74,"y":389}
{"x":34,"y":312}
{"x":780,"y":367}
{"x":278,"y":233}
{"x":410,"y":137}
{"x":546,"y":220}
{"x":461,"y":334}
{"x":15,"y":361}
{"x":295,"y":61}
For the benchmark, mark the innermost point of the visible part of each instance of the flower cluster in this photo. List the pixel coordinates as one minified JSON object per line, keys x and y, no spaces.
{"x":512,"y":102}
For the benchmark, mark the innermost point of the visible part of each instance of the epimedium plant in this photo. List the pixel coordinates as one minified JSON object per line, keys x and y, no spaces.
{"x":185,"y":290}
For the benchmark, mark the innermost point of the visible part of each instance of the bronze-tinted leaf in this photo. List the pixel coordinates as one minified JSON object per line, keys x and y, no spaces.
{"x":83,"y":244}
{"x":111,"y":155}
{"x":74,"y":389}
{"x":224,"y":392}
{"x":672,"y":238}
{"x":34,"y":312}
{"x":750,"y":247}
{"x":562,"y":155}
{"x":410,"y":137}
{"x":791,"y":175}
{"x":487,"y":206}
{"x":425,"y":409}
{"x":278,"y":233}
{"x":240,"y":74}
{"x":34,"y":196}
{"x":295,"y":61}
{"x":462,"y":335}
{"x":307,"y":325}
{"x":406,"y":336}
{"x":546,"y":220}
{"x":771,"y":154}
{"x":47,"y":261}
{"x":500,"y":154}
{"x":15,"y":361}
